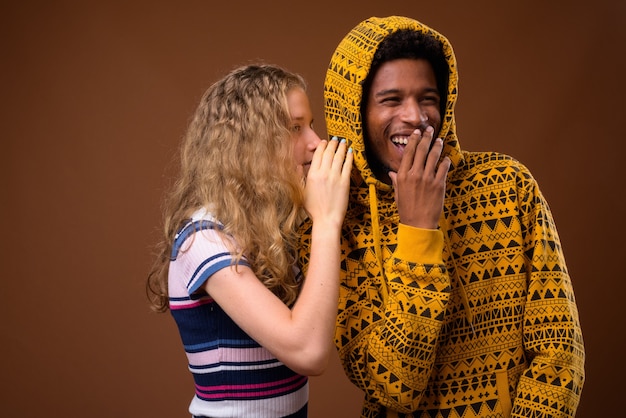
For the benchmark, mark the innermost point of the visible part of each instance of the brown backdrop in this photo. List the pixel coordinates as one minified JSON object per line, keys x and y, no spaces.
{"x":96,"y":96}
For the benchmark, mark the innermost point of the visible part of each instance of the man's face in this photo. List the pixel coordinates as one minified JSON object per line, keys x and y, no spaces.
{"x":403,"y":97}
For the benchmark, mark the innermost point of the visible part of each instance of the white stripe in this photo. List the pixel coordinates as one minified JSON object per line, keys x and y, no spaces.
{"x":260,"y":408}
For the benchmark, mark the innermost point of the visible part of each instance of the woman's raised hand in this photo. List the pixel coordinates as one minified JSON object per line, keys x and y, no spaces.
{"x":328,"y":182}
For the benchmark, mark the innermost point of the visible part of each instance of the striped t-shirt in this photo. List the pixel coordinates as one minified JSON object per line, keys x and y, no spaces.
{"x":234,"y":376}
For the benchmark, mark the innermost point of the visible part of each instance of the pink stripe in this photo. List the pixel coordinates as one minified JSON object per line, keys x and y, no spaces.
{"x":188,"y":305}
{"x":258,"y":394}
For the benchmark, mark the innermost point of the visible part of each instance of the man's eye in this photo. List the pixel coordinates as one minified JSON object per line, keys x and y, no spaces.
{"x":431,"y":99}
{"x":390,"y":100}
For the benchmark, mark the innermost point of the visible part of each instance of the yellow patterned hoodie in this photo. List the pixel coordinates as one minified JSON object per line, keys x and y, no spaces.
{"x":476,"y":319}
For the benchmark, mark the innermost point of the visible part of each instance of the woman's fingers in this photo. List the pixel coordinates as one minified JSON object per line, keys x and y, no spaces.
{"x":330,"y":154}
{"x":328,"y":180}
{"x":318,"y":155}
{"x":347,"y":164}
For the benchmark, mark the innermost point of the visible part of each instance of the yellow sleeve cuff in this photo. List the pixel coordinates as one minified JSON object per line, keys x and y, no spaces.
{"x":418,"y":245}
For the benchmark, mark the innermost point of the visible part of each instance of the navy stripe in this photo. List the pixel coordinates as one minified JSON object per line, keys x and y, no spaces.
{"x":239,"y":377}
{"x":217,"y":267}
{"x":211,"y":345}
{"x":186,"y":231}
{"x":234,"y":363}
{"x":209,"y":272}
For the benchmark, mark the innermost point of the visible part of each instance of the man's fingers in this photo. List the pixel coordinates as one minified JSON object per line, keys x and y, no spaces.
{"x":443,"y":168}
{"x":433,"y":156}
{"x":423,"y":149}
{"x":394,"y":179}
{"x":409,"y":154}
{"x":417,"y":152}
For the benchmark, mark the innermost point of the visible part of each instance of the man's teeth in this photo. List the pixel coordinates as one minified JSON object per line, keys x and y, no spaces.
{"x":402,"y":140}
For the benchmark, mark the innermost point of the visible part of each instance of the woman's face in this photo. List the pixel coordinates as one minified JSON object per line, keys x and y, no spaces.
{"x":305,"y":140}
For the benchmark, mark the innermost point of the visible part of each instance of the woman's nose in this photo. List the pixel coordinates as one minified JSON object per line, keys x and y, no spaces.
{"x":313,"y":140}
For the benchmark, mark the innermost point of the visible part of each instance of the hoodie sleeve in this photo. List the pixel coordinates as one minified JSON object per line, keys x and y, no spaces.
{"x":553,"y":342}
{"x":387,"y":334}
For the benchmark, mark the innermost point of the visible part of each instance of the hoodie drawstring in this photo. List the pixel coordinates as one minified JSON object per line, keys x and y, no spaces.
{"x":376,"y":230}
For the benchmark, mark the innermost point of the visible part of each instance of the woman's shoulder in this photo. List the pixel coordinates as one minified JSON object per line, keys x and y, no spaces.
{"x":202,"y":227}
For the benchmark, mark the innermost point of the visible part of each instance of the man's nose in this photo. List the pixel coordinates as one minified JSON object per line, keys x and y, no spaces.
{"x":413,"y":113}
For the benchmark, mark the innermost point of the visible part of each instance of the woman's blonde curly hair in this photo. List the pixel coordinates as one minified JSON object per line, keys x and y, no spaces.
{"x":236,"y":159}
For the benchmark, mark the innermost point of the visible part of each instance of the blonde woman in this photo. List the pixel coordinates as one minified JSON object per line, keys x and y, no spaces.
{"x":252,"y":327}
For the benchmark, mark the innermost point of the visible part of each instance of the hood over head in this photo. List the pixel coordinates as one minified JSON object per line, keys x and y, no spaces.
{"x":343,"y":93}
{"x":343,"y":88}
